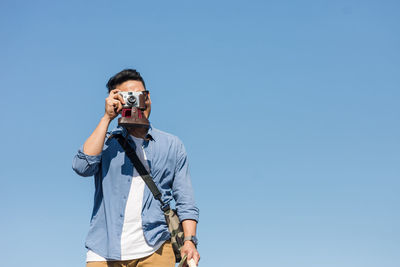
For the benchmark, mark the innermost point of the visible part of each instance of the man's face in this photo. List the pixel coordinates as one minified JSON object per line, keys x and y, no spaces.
{"x":136,"y":86}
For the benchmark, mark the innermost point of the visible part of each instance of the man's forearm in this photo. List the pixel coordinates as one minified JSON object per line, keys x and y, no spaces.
{"x":189,"y":247}
{"x":94,"y":144}
{"x":189,"y":227}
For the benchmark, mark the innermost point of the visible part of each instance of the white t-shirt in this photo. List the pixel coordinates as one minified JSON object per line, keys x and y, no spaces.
{"x":133,"y":243}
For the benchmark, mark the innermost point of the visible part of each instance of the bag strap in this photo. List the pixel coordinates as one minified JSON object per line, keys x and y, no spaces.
{"x":130,"y":152}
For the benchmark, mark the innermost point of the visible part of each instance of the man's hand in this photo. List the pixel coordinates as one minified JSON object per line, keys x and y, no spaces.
{"x":114,"y":103}
{"x":190,"y":250}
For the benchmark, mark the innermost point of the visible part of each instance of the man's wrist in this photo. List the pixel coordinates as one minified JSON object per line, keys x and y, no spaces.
{"x":106,"y":118}
{"x":192,"y":239}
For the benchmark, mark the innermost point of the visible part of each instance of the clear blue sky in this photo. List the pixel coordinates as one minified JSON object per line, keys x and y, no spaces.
{"x":289,"y":111}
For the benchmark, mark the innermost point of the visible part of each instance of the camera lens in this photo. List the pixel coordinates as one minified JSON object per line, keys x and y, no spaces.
{"x":131,"y":99}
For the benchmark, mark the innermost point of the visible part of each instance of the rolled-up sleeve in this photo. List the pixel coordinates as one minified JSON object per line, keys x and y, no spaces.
{"x":86,"y":165}
{"x":182,"y":188}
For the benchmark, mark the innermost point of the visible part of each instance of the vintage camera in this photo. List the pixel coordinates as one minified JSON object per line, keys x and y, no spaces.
{"x":134,"y":99}
{"x":132,"y":111}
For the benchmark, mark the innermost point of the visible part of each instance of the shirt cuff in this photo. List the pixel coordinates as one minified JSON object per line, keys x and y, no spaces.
{"x":187,"y":216}
{"x":90,"y":159}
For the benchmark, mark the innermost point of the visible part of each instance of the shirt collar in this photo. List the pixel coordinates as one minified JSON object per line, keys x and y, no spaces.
{"x":150,"y":135}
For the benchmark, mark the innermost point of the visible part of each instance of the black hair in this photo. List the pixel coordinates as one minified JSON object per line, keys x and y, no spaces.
{"x":123,"y":76}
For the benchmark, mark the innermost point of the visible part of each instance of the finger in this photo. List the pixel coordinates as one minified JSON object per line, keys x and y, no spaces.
{"x":182,"y":253}
{"x":112,"y":103}
{"x":190,"y":255}
{"x":148,"y":99}
{"x":114,"y":91}
{"x":147,"y":95}
{"x":196,"y":258}
{"x":112,"y":106}
{"x":119,"y":98}
{"x":119,"y":107}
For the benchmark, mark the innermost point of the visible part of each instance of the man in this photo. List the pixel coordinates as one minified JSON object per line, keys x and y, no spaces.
{"x":127,"y":226}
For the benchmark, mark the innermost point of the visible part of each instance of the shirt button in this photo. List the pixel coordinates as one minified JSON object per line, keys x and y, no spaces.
{"x":121,"y":215}
{"x":129,"y":179}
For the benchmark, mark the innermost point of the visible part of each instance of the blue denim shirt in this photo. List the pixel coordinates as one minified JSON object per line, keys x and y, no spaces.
{"x":113,"y":172}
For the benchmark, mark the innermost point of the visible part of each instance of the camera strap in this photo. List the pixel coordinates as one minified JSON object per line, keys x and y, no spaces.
{"x":174,"y":225}
{"x":138,"y":165}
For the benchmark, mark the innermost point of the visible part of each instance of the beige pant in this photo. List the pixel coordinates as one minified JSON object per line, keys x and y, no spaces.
{"x":163,"y":257}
